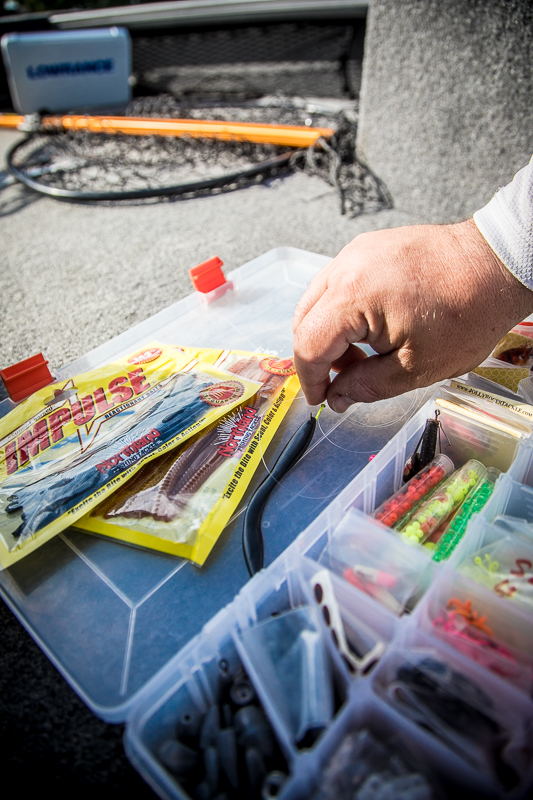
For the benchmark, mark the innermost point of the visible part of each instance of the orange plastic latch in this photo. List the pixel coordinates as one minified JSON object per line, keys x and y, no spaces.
{"x":208,"y":275}
{"x":26,"y":377}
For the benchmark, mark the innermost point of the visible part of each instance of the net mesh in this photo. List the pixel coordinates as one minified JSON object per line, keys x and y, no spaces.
{"x":242,"y":62}
{"x":86,"y":162}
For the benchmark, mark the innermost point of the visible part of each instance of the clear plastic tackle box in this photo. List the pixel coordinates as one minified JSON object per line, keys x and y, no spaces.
{"x":141,"y":636}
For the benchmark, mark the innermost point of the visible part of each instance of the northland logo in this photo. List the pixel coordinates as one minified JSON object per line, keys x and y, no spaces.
{"x":100,"y":66}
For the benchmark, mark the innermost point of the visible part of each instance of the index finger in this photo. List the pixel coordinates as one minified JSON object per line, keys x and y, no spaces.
{"x":323,"y":336}
{"x":312,"y":294}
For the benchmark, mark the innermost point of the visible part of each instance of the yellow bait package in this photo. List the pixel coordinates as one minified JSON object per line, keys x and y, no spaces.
{"x":73,"y":443}
{"x":181,"y":502}
{"x":510,"y":362}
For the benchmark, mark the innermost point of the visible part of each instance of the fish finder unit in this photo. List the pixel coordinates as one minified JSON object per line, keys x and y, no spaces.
{"x":58,"y":71}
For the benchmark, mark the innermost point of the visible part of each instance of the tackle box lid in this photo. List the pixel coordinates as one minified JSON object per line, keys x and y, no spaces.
{"x":110,"y":616}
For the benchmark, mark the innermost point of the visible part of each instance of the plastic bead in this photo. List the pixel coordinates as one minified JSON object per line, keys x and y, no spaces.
{"x":471,"y":505}
{"x":444,"y":501}
{"x":395,"y":510}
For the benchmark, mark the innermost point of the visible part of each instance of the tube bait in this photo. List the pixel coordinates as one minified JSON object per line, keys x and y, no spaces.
{"x":252,"y":537}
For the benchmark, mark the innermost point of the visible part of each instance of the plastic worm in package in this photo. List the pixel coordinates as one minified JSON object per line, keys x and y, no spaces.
{"x":71,"y":444}
{"x":170,"y":483}
{"x":181,"y":502}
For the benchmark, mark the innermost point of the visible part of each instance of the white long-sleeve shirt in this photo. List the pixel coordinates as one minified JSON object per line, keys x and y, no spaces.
{"x":507,"y":225}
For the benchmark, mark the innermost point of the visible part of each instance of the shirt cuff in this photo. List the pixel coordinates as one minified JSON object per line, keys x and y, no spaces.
{"x":506,"y":223}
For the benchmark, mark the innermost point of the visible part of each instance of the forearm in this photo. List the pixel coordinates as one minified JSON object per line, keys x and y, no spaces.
{"x":499,"y":299}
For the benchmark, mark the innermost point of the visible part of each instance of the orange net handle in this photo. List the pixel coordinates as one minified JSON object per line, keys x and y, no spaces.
{"x":11,"y":120}
{"x":287,"y":135}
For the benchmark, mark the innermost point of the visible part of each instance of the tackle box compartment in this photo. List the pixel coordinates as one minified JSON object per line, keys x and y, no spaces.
{"x":406,"y":630}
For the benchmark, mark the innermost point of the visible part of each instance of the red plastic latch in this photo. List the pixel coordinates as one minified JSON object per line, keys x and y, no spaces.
{"x":207,"y":276}
{"x":26,"y":377}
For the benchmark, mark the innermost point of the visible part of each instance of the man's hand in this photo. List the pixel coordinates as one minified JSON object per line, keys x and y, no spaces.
{"x":432,"y":300}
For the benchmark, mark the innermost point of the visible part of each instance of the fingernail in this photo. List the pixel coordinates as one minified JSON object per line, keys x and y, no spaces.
{"x":342,"y":404}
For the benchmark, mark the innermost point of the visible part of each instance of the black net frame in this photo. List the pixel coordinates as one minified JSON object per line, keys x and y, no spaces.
{"x":85,"y":166}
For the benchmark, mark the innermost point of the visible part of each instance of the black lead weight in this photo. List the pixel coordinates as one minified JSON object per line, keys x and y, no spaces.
{"x":272,"y":785}
{"x":210,"y":728}
{"x":255,"y":767}
{"x":225,"y":680}
{"x":177,"y":757}
{"x":242,"y":692}
{"x":227,"y":716}
{"x":212,"y":768}
{"x":188,"y":727}
{"x":203,"y":791}
{"x":229,"y":751}
{"x":253,"y":730}
{"x":227,"y":754}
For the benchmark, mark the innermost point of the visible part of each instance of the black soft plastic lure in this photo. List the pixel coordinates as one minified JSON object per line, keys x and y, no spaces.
{"x":425,"y":450}
{"x":252,"y":538}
